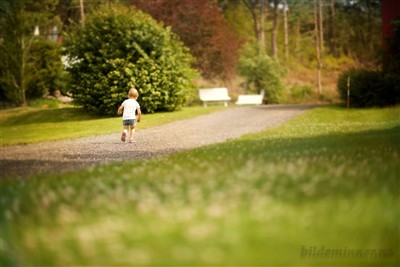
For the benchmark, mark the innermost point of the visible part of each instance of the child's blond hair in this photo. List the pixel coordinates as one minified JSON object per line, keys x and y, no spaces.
{"x":133,"y":93}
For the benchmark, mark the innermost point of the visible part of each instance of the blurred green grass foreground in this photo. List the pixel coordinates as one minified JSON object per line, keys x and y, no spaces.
{"x":320,"y":190}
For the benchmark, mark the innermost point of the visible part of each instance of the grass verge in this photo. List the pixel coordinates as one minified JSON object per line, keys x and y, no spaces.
{"x":33,"y":125}
{"x":321,"y":190}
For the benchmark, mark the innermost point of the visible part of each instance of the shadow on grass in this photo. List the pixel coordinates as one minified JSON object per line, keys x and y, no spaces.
{"x":288,"y":106}
{"x":52,"y":115}
{"x":309,"y":169}
{"x":29,"y":168}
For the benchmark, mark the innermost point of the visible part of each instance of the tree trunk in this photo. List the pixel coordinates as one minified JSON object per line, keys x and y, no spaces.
{"x":332,"y":30}
{"x":256,"y":25}
{"x":262,"y":28}
{"x":317,"y":46}
{"x":369,"y":34}
{"x":258,"y":12}
{"x":321,"y":27}
{"x":21,"y":81}
{"x":285,"y":27}
{"x":296,"y":41}
{"x":274,"y":37}
{"x":82,"y":12}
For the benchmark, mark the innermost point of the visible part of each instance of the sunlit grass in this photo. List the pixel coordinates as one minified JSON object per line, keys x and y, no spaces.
{"x":328,"y":179}
{"x":32,"y":125}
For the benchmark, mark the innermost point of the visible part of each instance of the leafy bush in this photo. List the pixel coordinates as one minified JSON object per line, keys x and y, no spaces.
{"x":121,"y":48}
{"x":298,"y":93}
{"x":369,"y":88}
{"x":261,"y":73}
{"x":331,"y":62}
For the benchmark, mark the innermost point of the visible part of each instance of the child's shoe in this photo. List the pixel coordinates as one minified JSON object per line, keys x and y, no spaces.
{"x":123,"y":137}
{"x":130,"y":140}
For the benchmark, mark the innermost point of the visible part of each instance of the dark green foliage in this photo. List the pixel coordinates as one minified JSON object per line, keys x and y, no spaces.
{"x":44,"y":69}
{"x":374,"y":88}
{"x":118,"y":49}
{"x":369,"y":88}
{"x":30,"y":65}
{"x":12,"y":52}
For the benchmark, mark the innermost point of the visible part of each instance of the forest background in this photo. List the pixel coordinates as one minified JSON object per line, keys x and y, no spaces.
{"x":310,"y":42}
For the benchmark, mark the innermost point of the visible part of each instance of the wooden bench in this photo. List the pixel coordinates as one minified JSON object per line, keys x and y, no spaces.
{"x":250,"y":99}
{"x":215,"y":95}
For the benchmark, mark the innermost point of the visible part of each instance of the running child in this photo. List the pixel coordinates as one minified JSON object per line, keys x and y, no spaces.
{"x":130,"y":107}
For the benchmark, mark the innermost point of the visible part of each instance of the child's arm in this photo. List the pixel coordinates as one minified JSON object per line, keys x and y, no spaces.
{"x":139,"y":117}
{"x":120,"y":110}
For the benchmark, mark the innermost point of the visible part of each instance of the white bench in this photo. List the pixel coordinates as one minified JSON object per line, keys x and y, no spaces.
{"x":214,"y":94}
{"x":250,"y":99}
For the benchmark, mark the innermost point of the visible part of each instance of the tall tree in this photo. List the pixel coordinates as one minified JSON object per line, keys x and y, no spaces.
{"x":14,"y":46}
{"x":369,"y":5}
{"x":82,"y":11}
{"x":332,"y":29}
{"x":321,"y":25}
{"x":30,"y":64}
{"x":286,"y":30}
{"x":258,"y":11}
{"x":317,"y":42}
{"x":349,"y":28}
{"x":358,"y":29}
{"x":211,"y":41}
{"x":238,"y":18}
{"x":274,"y":33}
{"x":262,"y":26}
{"x":75,"y":10}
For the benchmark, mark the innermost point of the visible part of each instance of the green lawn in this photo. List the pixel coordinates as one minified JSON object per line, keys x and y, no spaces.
{"x":320,"y":190}
{"x":32,"y":125}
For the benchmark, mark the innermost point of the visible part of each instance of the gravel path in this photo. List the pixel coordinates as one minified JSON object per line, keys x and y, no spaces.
{"x":54,"y":157}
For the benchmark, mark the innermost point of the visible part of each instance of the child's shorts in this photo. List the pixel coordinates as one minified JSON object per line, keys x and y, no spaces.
{"x":129,"y":122}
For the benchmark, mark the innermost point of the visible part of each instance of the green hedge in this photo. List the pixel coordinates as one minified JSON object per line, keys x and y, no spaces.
{"x":369,"y":88}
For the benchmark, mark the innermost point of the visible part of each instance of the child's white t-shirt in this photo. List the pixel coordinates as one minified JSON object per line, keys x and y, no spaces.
{"x":130,"y":106}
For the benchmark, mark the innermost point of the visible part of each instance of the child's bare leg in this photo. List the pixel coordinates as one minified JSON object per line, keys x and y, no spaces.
{"x":131,"y":133}
{"x":123,"y":136}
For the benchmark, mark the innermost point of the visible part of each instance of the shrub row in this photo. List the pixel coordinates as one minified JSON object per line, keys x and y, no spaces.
{"x":370,"y":88}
